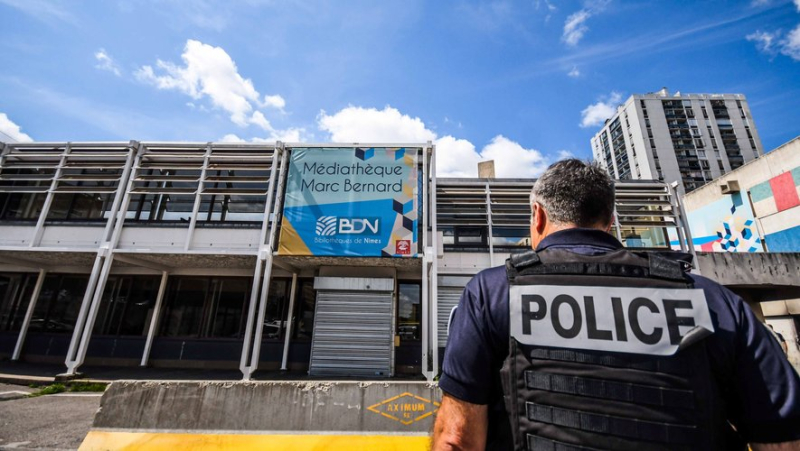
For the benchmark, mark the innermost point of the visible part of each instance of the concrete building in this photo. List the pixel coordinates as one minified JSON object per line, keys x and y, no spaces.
{"x":686,"y":138}
{"x":329,"y":258}
{"x":750,"y":214}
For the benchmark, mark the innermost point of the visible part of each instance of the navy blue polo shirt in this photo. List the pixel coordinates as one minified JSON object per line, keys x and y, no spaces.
{"x":762,"y":389}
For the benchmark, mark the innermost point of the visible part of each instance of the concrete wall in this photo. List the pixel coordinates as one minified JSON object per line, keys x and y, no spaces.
{"x":748,"y":269}
{"x":770,"y":196}
{"x":285,"y":415}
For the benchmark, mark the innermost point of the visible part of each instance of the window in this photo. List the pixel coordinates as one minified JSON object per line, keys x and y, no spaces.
{"x":127,"y":305}
{"x":207,"y":307}
{"x":59,"y":303}
{"x":21,"y":206}
{"x":15,"y":295}
{"x":469,"y":235}
{"x":409,"y":311}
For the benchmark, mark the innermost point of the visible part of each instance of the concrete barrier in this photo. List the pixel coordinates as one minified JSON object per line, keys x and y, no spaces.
{"x":264,"y":415}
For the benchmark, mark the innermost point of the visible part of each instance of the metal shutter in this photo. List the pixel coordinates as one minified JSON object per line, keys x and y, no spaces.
{"x":449,"y":293}
{"x":353,"y":334}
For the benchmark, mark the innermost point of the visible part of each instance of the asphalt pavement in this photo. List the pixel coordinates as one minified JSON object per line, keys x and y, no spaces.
{"x":51,"y":422}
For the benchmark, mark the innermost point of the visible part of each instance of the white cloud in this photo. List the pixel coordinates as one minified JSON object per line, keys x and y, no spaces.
{"x":575,"y":26}
{"x":513,"y":160}
{"x":455,"y":157}
{"x":275,"y":101}
{"x":791,"y":45}
{"x":209,"y":72}
{"x":797,"y":5}
{"x":574,"y":73}
{"x":564,"y":154}
{"x":357,"y":124}
{"x":775,"y":42}
{"x":288,"y":135}
{"x":756,"y":3}
{"x":105,"y":62}
{"x":596,"y":113}
{"x":11,"y":132}
{"x":231,"y":138}
{"x":764,"y":40}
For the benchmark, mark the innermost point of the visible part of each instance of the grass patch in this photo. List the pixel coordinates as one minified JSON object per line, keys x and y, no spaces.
{"x":49,"y":390}
{"x":87,"y":387}
{"x":52,"y":389}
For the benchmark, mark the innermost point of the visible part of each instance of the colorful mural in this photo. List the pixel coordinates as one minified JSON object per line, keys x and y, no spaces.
{"x":726,"y":225}
{"x":776,"y":203}
{"x":777,"y":194}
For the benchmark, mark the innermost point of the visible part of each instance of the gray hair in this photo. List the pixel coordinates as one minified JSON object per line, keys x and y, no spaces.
{"x":575,"y":192}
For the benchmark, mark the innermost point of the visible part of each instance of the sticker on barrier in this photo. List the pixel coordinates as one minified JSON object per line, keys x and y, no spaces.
{"x":405,"y":408}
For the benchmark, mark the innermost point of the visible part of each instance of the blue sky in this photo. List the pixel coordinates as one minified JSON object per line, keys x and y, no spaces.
{"x":523,"y":82}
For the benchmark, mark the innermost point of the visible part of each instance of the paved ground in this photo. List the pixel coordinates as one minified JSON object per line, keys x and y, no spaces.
{"x":52,"y":422}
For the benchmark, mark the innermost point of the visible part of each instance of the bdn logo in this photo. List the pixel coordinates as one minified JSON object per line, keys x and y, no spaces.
{"x":331,"y":225}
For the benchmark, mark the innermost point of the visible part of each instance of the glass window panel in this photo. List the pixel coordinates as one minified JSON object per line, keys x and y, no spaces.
{"x":304,"y":314}
{"x":409,"y":311}
{"x":127,"y":306}
{"x":651,"y":237}
{"x":184,"y":307}
{"x":15,"y":295}
{"x":229,"y":312}
{"x":58,"y":304}
{"x":21,"y":206}
{"x":277,"y":302}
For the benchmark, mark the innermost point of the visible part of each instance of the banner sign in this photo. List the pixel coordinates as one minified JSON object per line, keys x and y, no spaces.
{"x":351,"y":202}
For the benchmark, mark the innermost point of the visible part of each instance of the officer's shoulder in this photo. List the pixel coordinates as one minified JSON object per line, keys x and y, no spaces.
{"x":714,"y":291}
{"x":488,"y":279}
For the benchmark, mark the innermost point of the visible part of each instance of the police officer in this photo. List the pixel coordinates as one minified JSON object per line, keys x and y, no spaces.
{"x":580,"y":344}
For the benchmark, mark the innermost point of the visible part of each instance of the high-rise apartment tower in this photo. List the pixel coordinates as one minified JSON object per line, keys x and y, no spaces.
{"x":688,"y":138}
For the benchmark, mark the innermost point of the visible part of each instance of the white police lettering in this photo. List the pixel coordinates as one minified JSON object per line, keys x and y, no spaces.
{"x":653,"y":321}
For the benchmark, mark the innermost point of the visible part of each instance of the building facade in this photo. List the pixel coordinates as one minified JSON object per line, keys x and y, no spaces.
{"x":686,"y":138}
{"x":331,"y":259}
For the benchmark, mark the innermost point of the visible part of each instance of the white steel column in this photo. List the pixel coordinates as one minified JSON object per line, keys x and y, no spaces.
{"x":251,"y":348}
{"x":425,"y":269}
{"x":48,"y":201}
{"x":29,"y":314}
{"x":687,"y":231}
{"x":434,"y":266}
{"x":680,"y":224}
{"x":616,"y":223}
{"x":151,"y":333}
{"x":105,"y":256}
{"x":289,"y":322}
{"x":489,"y":224}
{"x":197,"y":199}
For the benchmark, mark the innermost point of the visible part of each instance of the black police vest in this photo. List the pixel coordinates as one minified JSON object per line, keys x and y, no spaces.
{"x":589,"y":378}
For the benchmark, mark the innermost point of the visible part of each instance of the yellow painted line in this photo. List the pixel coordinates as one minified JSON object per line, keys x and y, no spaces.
{"x":130,"y":441}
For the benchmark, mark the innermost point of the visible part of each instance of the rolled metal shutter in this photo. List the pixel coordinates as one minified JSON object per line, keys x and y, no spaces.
{"x":353,"y":333}
{"x":449,"y":293}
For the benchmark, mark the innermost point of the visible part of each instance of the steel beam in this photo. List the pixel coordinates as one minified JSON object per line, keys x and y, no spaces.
{"x":289,"y":322}
{"x":265,"y":252}
{"x":197,"y":199}
{"x":38,"y":231}
{"x":23,"y":331}
{"x":101,"y":269}
{"x":425,"y":270}
{"x":154,"y":319}
{"x":434,"y":266}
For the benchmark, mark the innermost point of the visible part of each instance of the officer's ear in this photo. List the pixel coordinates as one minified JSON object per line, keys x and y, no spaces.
{"x":539,"y":219}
